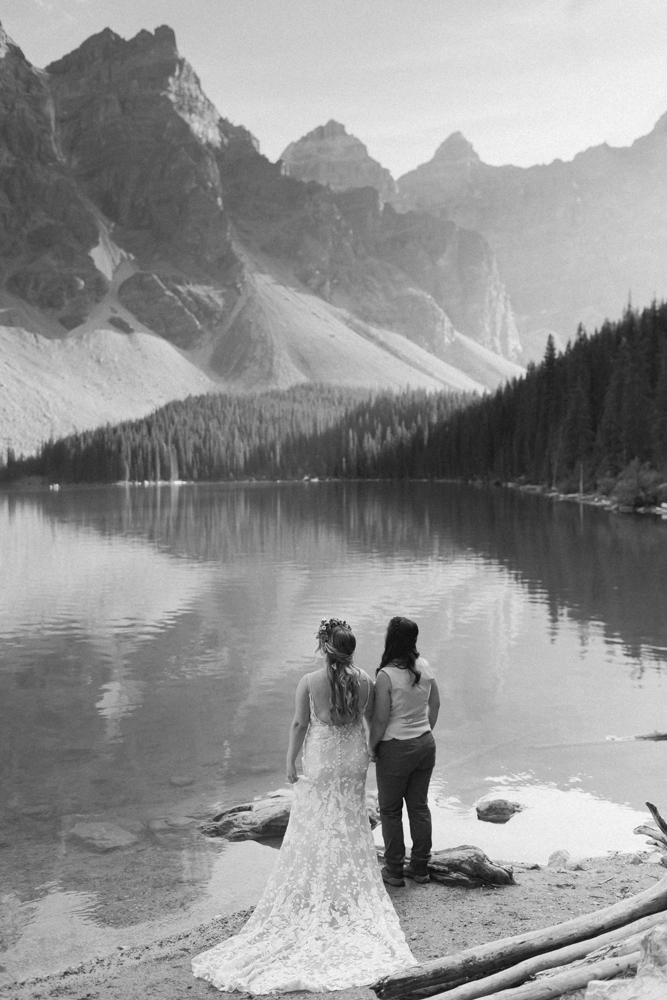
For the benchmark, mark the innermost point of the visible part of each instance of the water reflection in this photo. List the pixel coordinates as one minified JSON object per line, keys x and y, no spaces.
{"x":582,"y":562}
{"x":62,"y":928}
{"x":151,"y":640}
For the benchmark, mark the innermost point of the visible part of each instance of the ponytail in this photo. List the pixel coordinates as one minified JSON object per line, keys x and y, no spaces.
{"x":343,"y":678}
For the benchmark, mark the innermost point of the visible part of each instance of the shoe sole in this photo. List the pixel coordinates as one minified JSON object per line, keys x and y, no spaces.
{"x":419,"y":879}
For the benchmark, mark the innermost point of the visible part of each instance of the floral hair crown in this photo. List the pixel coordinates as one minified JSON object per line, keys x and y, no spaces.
{"x":327,"y":625}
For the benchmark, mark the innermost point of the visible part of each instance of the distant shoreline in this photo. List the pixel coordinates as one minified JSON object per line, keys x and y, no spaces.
{"x":38,"y":484}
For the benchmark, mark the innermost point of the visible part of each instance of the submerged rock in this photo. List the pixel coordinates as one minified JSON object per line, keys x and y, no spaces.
{"x":103,"y":836}
{"x":497,"y":810}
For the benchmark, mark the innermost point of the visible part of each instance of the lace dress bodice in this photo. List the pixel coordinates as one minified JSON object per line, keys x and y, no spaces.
{"x":325,"y":921}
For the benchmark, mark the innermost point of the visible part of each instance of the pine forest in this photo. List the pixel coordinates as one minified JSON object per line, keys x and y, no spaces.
{"x":593,"y":417}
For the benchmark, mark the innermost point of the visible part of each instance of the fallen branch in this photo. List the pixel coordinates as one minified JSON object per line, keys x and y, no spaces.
{"x":473,"y":963}
{"x":659,"y":821}
{"x":651,"y":830}
{"x":565,"y":982}
{"x":610,"y":945}
{"x":656,"y":831}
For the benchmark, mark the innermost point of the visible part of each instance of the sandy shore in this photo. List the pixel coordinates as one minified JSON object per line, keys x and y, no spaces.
{"x":437,"y":920}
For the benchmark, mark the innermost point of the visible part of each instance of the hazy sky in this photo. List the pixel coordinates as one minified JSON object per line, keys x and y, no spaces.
{"x":526,"y":81}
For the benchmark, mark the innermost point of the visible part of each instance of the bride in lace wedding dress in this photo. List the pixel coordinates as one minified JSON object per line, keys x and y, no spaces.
{"x":325,"y":921}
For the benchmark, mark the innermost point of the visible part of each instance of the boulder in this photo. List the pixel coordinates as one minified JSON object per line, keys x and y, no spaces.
{"x":263,"y":819}
{"x":103,"y":836}
{"x":562,"y":859}
{"x":497,"y":810}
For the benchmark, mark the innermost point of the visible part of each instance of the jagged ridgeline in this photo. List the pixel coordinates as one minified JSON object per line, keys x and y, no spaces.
{"x":308,"y":430}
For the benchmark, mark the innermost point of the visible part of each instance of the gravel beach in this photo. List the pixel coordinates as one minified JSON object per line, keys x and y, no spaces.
{"x":438,"y":920}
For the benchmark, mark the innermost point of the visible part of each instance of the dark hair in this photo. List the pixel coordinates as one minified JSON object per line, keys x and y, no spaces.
{"x":338,"y":649}
{"x":400,"y":646}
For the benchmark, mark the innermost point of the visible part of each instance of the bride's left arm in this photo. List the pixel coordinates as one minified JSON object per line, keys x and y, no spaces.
{"x":370,"y":702}
{"x":298,"y":729}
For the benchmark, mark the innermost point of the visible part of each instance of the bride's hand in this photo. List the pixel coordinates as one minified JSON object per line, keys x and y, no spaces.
{"x":292,"y":776}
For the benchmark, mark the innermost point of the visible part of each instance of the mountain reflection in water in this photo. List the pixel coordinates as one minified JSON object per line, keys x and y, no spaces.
{"x":151,"y":640}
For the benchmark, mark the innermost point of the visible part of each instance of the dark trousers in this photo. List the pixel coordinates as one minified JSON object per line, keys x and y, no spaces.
{"x":403,"y":770}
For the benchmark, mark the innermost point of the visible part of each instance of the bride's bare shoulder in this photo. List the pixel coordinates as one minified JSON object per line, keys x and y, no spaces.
{"x":317,"y":675}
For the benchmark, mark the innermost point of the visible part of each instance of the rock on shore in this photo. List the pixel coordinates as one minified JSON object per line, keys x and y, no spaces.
{"x":264,"y":819}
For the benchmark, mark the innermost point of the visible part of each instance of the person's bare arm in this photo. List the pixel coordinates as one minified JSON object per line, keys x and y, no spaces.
{"x":368,"y":711}
{"x":381,"y":711}
{"x":433,"y":703}
{"x":298,"y":729}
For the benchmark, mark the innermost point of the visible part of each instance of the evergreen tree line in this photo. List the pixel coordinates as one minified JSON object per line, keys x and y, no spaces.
{"x":586,"y":414}
{"x":309,"y":430}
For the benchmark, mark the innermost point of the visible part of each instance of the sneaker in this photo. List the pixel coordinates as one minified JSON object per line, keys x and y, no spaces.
{"x":396,"y":880}
{"x":421,"y":877}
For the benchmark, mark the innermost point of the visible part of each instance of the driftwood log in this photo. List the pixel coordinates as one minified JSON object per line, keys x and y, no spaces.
{"x":565,"y":982}
{"x":657,"y":831}
{"x":613,"y":944}
{"x":467,"y":866}
{"x":443,"y":974}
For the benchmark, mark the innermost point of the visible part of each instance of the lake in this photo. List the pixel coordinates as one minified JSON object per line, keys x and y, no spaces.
{"x":151,"y":639}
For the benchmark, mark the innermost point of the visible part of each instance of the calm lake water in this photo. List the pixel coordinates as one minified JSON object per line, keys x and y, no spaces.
{"x":151,"y":640}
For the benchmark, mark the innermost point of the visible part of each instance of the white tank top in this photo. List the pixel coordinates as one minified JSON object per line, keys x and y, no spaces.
{"x":409,"y":702}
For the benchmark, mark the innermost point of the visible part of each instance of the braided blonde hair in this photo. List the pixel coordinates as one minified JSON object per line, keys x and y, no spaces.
{"x":338,"y":648}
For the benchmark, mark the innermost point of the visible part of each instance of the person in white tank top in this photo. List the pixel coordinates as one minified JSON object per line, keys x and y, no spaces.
{"x":401,"y":742}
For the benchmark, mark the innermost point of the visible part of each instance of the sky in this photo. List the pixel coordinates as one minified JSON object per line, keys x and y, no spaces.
{"x":526,"y":81}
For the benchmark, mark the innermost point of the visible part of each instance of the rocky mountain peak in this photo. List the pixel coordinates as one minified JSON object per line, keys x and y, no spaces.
{"x":6,"y":43}
{"x":456,"y":149}
{"x":332,"y":130}
{"x":332,"y":157}
{"x":106,"y":46}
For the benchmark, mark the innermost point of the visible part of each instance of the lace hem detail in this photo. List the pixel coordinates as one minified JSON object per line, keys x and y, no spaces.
{"x":325,"y":921}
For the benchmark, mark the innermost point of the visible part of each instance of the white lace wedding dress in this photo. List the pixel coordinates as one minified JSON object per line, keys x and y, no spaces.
{"x":325,"y":921}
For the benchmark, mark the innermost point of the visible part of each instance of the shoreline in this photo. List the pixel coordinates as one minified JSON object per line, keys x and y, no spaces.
{"x":39,"y":484}
{"x":436,"y":919}
{"x":588,"y":499}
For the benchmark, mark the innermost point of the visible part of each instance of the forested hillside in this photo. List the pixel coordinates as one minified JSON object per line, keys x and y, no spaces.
{"x":309,"y":430}
{"x":593,"y":409}
{"x":595,"y":415}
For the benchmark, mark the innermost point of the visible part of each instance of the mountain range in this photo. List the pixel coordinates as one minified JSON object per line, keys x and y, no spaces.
{"x":148,"y":250}
{"x":573,"y":242}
